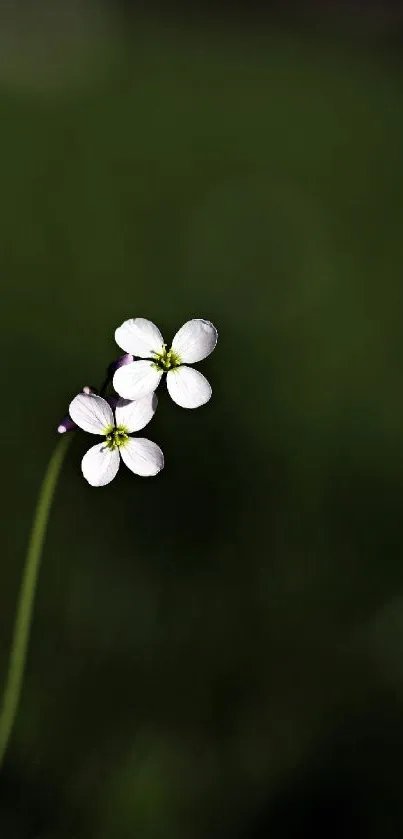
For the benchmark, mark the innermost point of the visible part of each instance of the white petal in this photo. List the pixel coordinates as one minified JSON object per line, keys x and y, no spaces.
{"x":100,"y":465}
{"x":195,"y":340}
{"x":91,"y":413}
{"x":187,"y":387}
{"x":133,"y":381}
{"x":136,"y":415}
{"x":142,"y":456}
{"x":140,"y":337}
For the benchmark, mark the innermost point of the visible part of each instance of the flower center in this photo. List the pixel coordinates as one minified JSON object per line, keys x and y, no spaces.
{"x":166,"y":360}
{"x":116,"y":436}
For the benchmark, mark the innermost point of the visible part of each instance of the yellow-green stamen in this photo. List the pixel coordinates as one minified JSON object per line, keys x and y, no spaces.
{"x":166,"y":360}
{"x":116,"y":436}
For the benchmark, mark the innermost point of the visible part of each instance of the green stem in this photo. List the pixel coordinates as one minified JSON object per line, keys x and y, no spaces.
{"x":23,"y":617}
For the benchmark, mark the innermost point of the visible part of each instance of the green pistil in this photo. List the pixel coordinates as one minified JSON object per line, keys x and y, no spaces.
{"x":116,"y":436}
{"x":166,"y":360}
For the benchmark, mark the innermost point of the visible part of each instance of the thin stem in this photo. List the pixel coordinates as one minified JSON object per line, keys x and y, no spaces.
{"x":23,"y":617}
{"x":104,"y":386}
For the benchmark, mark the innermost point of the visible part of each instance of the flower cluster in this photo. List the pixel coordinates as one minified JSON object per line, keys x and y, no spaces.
{"x":135,"y":377}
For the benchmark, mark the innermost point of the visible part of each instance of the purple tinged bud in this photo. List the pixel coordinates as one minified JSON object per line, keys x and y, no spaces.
{"x":127,"y":358}
{"x":66,"y":424}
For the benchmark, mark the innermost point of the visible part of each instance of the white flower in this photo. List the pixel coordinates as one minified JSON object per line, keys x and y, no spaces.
{"x":101,"y":463}
{"x":188,"y":388}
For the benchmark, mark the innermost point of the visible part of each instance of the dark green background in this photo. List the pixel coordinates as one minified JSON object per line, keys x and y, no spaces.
{"x":216,"y":651}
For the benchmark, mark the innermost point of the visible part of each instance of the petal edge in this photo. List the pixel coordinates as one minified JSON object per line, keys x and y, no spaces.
{"x":140,"y":337}
{"x":136,"y":414}
{"x":91,"y":413}
{"x":195,"y":340}
{"x":135,"y":380}
{"x":188,"y":387}
{"x":143,"y":457}
{"x":100,"y":465}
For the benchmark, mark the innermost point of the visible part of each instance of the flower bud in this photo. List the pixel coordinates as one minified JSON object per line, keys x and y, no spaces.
{"x":127,"y":358}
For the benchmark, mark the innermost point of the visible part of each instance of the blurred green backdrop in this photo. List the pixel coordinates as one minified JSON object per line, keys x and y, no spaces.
{"x":216,"y":651}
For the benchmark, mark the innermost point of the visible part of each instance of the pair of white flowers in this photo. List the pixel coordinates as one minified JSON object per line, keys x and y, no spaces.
{"x":135,"y":381}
